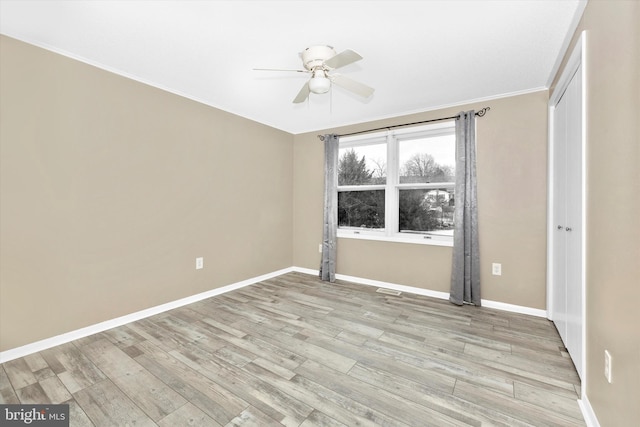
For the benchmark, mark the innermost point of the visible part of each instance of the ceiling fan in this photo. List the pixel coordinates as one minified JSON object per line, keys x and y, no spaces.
{"x":320,"y":61}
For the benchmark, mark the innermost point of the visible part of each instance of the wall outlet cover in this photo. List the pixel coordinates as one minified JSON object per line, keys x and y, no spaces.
{"x":607,"y":366}
{"x":496,"y":269}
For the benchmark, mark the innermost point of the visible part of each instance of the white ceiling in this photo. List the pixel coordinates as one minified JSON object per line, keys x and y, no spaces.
{"x":418,"y":55}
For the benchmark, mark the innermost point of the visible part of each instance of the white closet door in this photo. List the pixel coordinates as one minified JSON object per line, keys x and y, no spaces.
{"x":560,"y":217}
{"x":574,"y":221}
{"x":567,"y":219}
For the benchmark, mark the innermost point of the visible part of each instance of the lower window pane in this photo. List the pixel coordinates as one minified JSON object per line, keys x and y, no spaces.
{"x":428,"y":211}
{"x":361,"y":209}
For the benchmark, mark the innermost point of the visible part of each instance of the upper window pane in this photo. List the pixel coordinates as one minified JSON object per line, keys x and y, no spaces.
{"x":424,"y":160}
{"x":362,"y":165}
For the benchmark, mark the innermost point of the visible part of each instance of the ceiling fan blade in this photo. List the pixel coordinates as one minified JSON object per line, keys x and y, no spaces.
{"x":280,"y":69}
{"x":352,"y":85}
{"x":342,"y":59}
{"x":303,"y":94}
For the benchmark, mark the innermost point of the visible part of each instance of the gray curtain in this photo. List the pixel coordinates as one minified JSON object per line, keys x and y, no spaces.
{"x":465,"y":277}
{"x":330,"y":227}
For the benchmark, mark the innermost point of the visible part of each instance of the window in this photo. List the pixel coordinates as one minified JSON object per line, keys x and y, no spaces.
{"x":398,"y":185}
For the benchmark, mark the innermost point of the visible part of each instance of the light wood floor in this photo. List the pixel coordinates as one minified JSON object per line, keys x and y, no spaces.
{"x":296,"y":351}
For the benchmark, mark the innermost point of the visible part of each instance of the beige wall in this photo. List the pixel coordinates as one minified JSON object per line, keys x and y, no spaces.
{"x":109,"y":190}
{"x":613,"y":206}
{"x":512,"y":157}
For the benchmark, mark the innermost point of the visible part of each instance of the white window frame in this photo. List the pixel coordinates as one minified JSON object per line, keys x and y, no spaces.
{"x":392,"y":188}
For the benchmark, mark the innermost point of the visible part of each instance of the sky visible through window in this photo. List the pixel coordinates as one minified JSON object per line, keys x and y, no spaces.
{"x":442,"y":148}
{"x":375,"y":157}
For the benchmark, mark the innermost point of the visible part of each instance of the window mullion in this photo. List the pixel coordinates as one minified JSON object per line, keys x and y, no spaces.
{"x":428,"y":185}
{"x":361,"y":187}
{"x":391,"y":193}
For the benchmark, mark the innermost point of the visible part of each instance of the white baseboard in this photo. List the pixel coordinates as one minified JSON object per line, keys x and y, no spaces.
{"x":379,"y":284}
{"x":514,"y":308}
{"x":587,"y":412}
{"x":394,"y":286}
{"x":429,"y":293}
{"x":306,"y":270}
{"x":44,"y":344}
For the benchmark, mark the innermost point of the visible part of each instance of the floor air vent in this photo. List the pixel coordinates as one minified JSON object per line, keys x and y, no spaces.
{"x":388,"y":291}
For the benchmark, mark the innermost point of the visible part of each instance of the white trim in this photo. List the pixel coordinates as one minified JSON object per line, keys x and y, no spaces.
{"x":391,"y":195}
{"x":582,"y":41}
{"x":429,"y":293}
{"x":514,"y":308}
{"x":550,"y":207}
{"x":577,"y":17}
{"x":46,"y":343}
{"x":587,"y":411}
{"x":429,"y":109}
{"x":371,"y":138}
{"x":417,"y":239}
{"x":362,"y":187}
{"x":431,"y":130}
{"x":574,"y":61}
{"x":394,"y":286}
{"x":303,"y":270}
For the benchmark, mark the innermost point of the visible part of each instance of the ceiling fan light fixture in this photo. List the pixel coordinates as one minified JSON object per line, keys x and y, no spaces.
{"x":319,"y":83}
{"x":320,"y":62}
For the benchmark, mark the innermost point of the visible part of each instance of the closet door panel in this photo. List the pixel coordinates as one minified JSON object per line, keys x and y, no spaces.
{"x":567,"y":244}
{"x":574,"y":220}
{"x":560,"y":220}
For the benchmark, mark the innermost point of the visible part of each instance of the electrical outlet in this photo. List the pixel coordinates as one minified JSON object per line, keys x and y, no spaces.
{"x":607,"y":366}
{"x":496,"y":269}
{"x":320,"y":248}
{"x":199,"y":263}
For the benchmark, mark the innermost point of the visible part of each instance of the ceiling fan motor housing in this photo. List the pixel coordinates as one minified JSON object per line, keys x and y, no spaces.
{"x":314,"y":56}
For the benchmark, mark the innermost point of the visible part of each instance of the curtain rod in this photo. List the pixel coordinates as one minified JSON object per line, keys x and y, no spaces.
{"x":479,"y":113}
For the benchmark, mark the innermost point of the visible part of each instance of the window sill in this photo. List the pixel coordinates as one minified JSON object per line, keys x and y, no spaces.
{"x":433,"y":241}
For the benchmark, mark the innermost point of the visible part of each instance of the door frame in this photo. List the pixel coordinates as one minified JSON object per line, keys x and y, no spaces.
{"x":576,"y":59}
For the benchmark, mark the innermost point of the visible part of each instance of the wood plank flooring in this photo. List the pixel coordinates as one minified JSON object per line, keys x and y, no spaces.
{"x":296,"y":351}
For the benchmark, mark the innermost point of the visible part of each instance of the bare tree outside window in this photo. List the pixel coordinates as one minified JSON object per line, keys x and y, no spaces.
{"x":379,"y":170}
{"x":422,"y":167}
